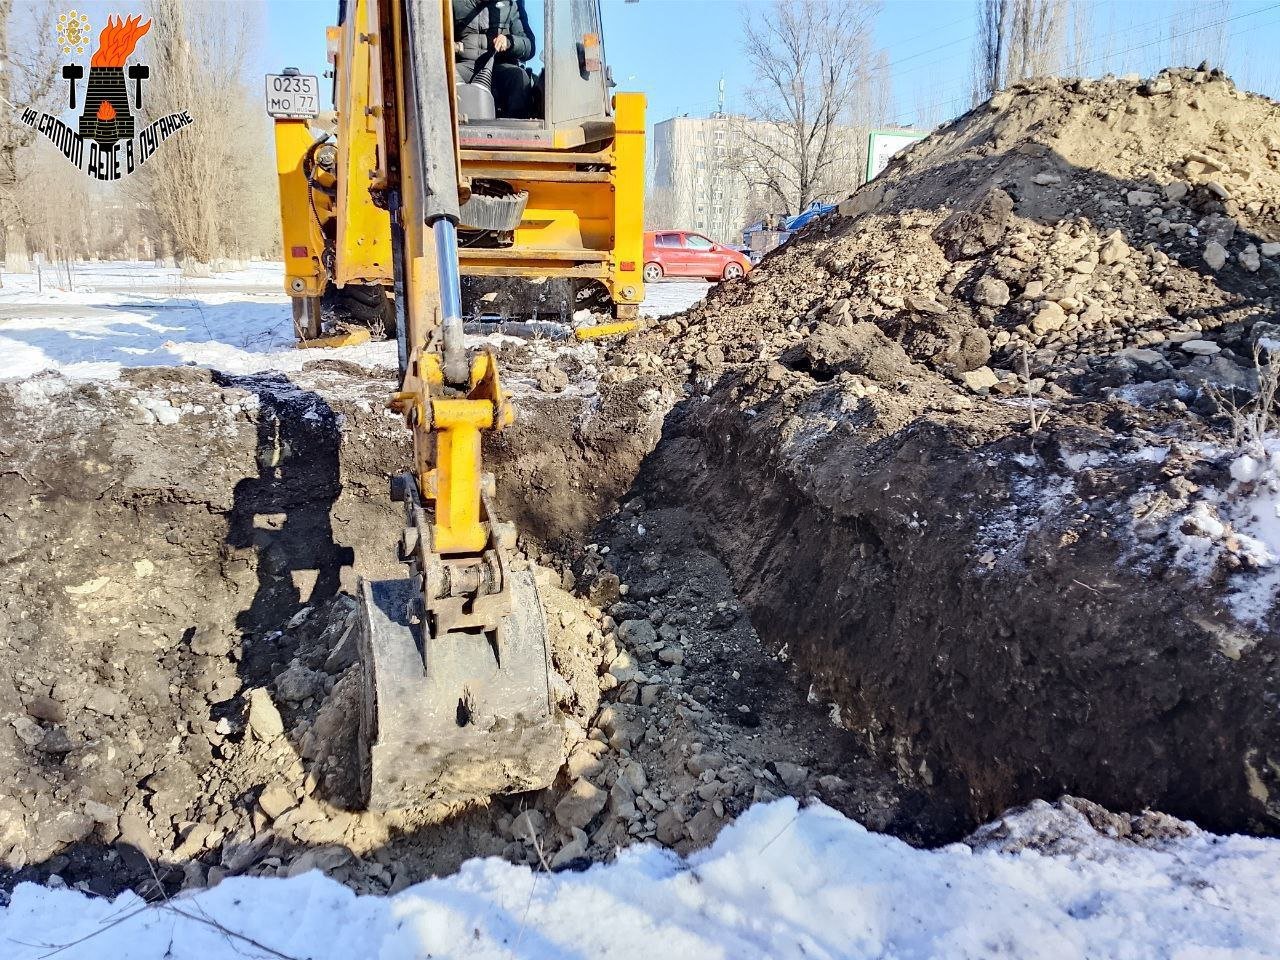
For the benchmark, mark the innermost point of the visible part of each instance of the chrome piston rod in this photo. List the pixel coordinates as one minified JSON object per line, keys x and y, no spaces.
{"x":456,"y":368}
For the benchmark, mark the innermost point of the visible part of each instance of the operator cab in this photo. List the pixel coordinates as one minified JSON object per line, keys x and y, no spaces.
{"x":569,"y":104}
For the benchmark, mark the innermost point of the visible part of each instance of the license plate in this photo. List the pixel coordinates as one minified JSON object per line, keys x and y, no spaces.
{"x":293,"y":97}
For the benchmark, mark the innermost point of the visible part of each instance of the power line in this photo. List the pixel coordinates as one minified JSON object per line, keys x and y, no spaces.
{"x":1094,"y":42}
{"x":1142,"y":46}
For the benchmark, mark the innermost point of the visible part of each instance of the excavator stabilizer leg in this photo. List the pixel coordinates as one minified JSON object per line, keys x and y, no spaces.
{"x":456,"y":717}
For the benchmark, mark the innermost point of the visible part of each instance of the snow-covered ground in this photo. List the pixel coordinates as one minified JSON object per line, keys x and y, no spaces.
{"x":672,"y":296}
{"x":136,"y":314}
{"x":781,"y":882}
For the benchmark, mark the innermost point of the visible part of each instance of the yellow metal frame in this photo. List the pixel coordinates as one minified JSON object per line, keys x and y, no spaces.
{"x":363,"y":251}
{"x":453,"y":475}
{"x":300,"y":233}
{"x":584,"y":218}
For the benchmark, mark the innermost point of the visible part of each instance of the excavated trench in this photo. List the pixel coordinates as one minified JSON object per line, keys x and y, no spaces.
{"x":179,"y":549}
{"x":178,"y":544}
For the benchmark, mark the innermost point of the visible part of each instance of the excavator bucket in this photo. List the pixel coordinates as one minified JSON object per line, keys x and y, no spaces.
{"x":457,"y":717}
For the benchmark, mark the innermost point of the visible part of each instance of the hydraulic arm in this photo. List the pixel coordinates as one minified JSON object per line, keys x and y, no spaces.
{"x":458,"y":701}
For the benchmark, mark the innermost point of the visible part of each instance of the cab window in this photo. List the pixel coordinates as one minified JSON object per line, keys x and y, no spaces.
{"x":695,"y":241}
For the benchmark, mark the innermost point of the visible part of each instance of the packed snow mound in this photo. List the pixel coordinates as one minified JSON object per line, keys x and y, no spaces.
{"x":781,"y":882}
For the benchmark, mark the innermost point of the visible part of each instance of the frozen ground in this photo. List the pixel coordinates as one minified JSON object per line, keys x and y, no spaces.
{"x":782,"y":882}
{"x":136,"y":314}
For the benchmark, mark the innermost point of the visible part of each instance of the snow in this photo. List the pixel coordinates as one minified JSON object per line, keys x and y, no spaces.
{"x":1238,"y":526}
{"x":120,"y":315}
{"x":781,"y":882}
{"x":672,"y":296}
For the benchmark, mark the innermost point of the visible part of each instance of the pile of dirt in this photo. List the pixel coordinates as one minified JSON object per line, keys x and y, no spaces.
{"x":983,"y":451}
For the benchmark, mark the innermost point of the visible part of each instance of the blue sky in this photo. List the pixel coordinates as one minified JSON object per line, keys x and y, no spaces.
{"x":676,"y":51}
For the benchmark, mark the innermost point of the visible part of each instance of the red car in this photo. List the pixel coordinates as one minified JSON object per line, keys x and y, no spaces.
{"x":682,"y":253}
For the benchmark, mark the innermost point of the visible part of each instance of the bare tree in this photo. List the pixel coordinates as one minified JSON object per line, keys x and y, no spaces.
{"x":205,"y":184}
{"x":28,"y":66}
{"x":812,"y":62}
{"x":1198,"y":32}
{"x":1018,"y":39}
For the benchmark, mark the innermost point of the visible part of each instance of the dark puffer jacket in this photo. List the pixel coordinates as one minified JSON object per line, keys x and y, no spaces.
{"x":477,"y":22}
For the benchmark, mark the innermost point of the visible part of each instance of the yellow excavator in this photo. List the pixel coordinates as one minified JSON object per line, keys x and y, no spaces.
{"x":557,"y":196}
{"x":458,"y":695}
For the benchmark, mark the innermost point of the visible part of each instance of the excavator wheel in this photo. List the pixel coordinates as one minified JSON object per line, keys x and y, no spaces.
{"x":367,"y":305}
{"x":458,"y":717}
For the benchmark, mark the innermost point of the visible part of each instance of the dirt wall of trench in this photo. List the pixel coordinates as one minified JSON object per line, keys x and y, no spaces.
{"x":1061,"y":669}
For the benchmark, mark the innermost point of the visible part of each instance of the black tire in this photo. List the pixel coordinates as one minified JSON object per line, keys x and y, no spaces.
{"x":732,"y":271}
{"x":652,"y":272}
{"x":370,"y":306}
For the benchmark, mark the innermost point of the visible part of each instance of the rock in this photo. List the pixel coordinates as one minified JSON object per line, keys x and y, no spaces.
{"x":830,"y":785}
{"x":326,"y":859}
{"x":571,"y":851}
{"x":637,"y":633}
{"x":209,"y":641}
{"x":1033,"y":290}
{"x":173,"y":788}
{"x":704,"y":826}
{"x":580,"y":804}
{"x":1271,"y":250}
{"x":100,"y":812}
{"x":584,"y":759}
{"x":298,"y":683}
{"x":623,"y":667}
{"x":1175,"y":190}
{"x":68,"y":827}
{"x":1046,"y":179}
{"x":700,"y":763}
{"x":55,"y":741}
{"x":1249,"y":258}
{"x":275,"y":799}
{"x":980,"y":380}
{"x":632,"y":771}
{"x":603,"y":589}
{"x":1140,"y":355}
{"x":28,"y":731}
{"x":1141,"y":198}
{"x":923,"y":304}
{"x":528,"y":826}
{"x":1215,"y":255}
{"x":1114,"y":250}
{"x":1218,"y":190}
{"x":107,"y":702}
{"x":194,"y":875}
{"x":622,"y":801}
{"x":965,"y":234}
{"x":264,"y":719}
{"x":792,"y":775}
{"x":671,"y":655}
{"x":670,"y":826}
{"x":1156,"y":87}
{"x":861,"y":348}
{"x":46,"y":709}
{"x":991,"y":291}
{"x":1201,"y":348}
{"x":344,"y":653}
{"x":1050,"y":317}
